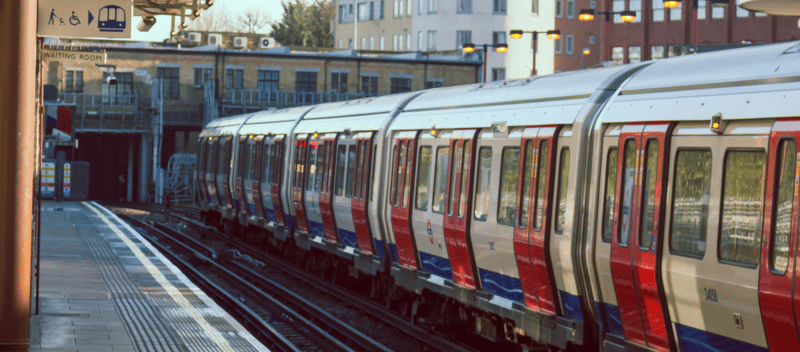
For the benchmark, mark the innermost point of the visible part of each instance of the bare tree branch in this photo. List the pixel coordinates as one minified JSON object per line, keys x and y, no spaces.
{"x":253,"y":19}
{"x":216,"y":19}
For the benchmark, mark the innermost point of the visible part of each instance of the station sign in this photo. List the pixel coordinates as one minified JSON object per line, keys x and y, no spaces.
{"x":85,"y":18}
{"x":73,"y":56}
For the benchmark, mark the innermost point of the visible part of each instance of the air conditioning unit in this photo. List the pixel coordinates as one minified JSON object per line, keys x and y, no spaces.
{"x":195,"y":37}
{"x":215,"y":39}
{"x":240,"y":42}
{"x":266,"y":43}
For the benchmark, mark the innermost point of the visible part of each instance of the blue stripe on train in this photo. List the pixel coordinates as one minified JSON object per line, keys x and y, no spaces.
{"x":436,"y":265}
{"x":609,"y":318}
{"x":270,"y":214}
{"x":501,"y":285}
{"x":316,"y":229}
{"x":252,"y":208}
{"x":379,"y":250}
{"x":572,"y":306}
{"x":348,"y":238}
{"x":691,"y":339}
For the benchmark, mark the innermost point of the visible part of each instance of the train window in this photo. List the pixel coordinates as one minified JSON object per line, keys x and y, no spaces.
{"x":526,"y":183}
{"x":211,"y":157}
{"x":423,"y":174}
{"x":311,"y":175}
{"x":649,"y":180}
{"x":458,"y":154}
{"x":561,"y":202}
{"x":509,"y":185}
{"x":465,"y":170}
{"x":394,"y":167}
{"x":481,"y":208}
{"x":351,"y":170}
{"x":372,"y":174}
{"x":401,"y":164}
{"x":340,"y":164}
{"x":611,"y":192}
{"x":440,"y":185}
{"x":784,"y":199}
{"x":541,"y":179}
{"x":224,"y":167}
{"x":690,"y":203}
{"x":248,"y":155}
{"x":627,"y":190}
{"x":360,"y":170}
{"x":265,"y":177}
{"x":740,"y":225}
{"x":320,"y":165}
{"x":409,"y":165}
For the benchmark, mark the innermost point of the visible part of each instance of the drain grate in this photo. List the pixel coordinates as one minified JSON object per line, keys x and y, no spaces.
{"x":66,"y":315}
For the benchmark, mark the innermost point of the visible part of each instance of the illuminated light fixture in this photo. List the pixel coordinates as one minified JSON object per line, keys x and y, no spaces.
{"x":501,"y":48}
{"x":670,"y":4}
{"x":468,"y":48}
{"x":586,"y":51}
{"x":251,"y":136}
{"x":717,"y":126}
{"x":628,"y":16}
{"x":515,"y":33}
{"x":554,"y":34}
{"x":316,"y":135}
{"x":210,"y":138}
{"x":586,"y":15}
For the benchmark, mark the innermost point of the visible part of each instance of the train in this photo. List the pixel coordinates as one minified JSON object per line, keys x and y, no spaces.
{"x":641,"y":207}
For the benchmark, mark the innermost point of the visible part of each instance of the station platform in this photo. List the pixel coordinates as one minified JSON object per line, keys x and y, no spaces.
{"x":105,"y":288}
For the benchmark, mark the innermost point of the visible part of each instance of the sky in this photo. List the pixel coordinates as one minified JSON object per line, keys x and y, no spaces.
{"x":161,"y":29}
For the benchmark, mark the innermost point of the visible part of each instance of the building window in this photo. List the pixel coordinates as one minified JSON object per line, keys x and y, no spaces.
{"x":419,"y":40}
{"x":618,"y":6}
{"x":570,"y":8}
{"x":306,"y":83}
{"x":371,"y":43}
{"x":169,"y":76}
{"x":592,"y":4}
{"x":656,"y":52}
{"x":400,"y":85}
{"x":701,"y":9}
{"x":369,"y":85}
{"x":419,"y":7}
{"x":73,"y":81}
{"x":499,"y":6}
{"x":498,"y":38}
{"x":381,"y":15}
{"x":124,"y":86}
{"x":234,"y":79}
{"x":268,"y":80}
{"x":658,"y":10}
{"x":634,"y":54}
{"x":363,"y":43}
{"x":559,"y":8}
{"x":339,"y":82}
{"x":464,"y":6}
{"x":718,"y":12}
{"x":381,"y":43}
{"x":636,"y":6}
{"x":372,"y":10}
{"x":431,"y":40}
{"x":201,"y":76}
{"x":591,"y":40}
{"x":535,"y":6}
{"x":408,"y":8}
{"x":342,"y":10}
{"x":408,"y":41}
{"x":463,"y":37}
{"x":350,"y":43}
{"x":394,"y":42}
{"x":675,"y":13}
{"x":618,"y":55}
{"x":433,"y":84}
{"x":558,"y":45}
{"x":363,"y":14}
{"x":432,"y":6}
{"x":740,"y":12}
{"x":340,"y":44}
{"x":570,"y":44}
{"x":498,"y":74}
{"x":760,"y":14}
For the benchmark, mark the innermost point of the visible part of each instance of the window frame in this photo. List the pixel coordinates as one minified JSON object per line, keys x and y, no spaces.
{"x":674,"y":185}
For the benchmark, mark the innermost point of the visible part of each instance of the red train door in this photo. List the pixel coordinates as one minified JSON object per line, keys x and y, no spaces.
{"x":778,"y":287}
{"x":299,"y":184}
{"x":531,"y":234}
{"x":635,"y":249}
{"x":276,"y":178}
{"x":400,"y":198}
{"x":326,"y":191}
{"x":255,"y":175}
{"x":361,"y":194}
{"x":459,"y":206}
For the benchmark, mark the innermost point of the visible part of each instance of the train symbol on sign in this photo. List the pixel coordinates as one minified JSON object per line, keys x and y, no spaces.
{"x":111,"y":18}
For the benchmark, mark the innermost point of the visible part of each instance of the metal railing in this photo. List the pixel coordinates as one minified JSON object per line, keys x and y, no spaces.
{"x":106,"y":112}
{"x":253,"y":100}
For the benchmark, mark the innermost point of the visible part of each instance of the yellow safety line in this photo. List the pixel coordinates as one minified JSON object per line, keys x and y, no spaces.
{"x":173,"y":291}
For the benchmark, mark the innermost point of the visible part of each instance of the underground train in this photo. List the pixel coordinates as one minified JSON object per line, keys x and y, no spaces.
{"x":643,"y":207}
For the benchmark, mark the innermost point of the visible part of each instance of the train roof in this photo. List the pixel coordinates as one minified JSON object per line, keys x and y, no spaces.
{"x":744,"y":83}
{"x":552,"y":99}
{"x":224,"y":126}
{"x":367,"y":114}
{"x":275,"y":121}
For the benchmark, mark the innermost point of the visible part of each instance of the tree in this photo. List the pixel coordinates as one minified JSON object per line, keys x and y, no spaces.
{"x":215,"y":19}
{"x":305,"y":24}
{"x":253,"y":19}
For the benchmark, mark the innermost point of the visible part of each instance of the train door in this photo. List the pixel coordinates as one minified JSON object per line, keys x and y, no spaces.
{"x":225,"y":162}
{"x":459,"y":205}
{"x":433,"y":161}
{"x":276,"y":179}
{"x":201,"y":169}
{"x":778,"y":286}
{"x":561,"y":230}
{"x":316,"y":167}
{"x":334,"y":159}
{"x":400,"y":197}
{"x":363,"y":174}
{"x":239,"y":201}
{"x":531,"y":235}
{"x":211,"y":172}
{"x":298,"y":182}
{"x":380,"y":236}
{"x":342,"y":200}
{"x":713,"y":236}
{"x":634,"y":251}
{"x":266,"y":179}
{"x":254,"y":177}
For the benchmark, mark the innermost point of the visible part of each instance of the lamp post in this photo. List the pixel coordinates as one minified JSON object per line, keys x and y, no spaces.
{"x":588,"y":15}
{"x":470,"y":48}
{"x":552,"y":34}
{"x":584,"y":52}
{"x":671,"y":4}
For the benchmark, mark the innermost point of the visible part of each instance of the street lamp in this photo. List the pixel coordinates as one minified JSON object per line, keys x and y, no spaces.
{"x":552,"y":34}
{"x":588,"y":15}
{"x":584,"y":52}
{"x":670,"y":4}
{"x":470,"y":48}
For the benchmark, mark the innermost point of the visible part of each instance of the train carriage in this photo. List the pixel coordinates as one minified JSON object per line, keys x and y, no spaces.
{"x":217,"y":144}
